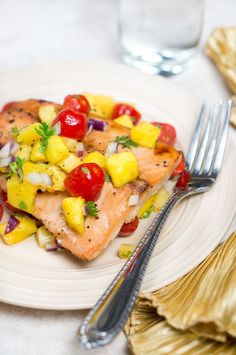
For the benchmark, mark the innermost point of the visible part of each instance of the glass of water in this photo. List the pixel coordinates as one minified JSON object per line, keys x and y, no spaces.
{"x":160,"y":36}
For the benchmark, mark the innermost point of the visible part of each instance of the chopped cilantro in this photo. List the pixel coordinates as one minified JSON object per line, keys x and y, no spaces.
{"x":15,"y":131}
{"x":107,"y":178}
{"x":92,"y":209}
{"x":125,"y":141}
{"x":15,"y":167}
{"x":85,"y":170}
{"x":147,"y":213}
{"x":22,"y":205}
{"x":45,"y":132}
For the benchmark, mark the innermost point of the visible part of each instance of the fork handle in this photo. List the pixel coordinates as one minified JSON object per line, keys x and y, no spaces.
{"x":111,"y":312}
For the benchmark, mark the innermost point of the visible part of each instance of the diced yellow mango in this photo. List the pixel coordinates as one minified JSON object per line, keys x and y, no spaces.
{"x":126,"y":250}
{"x":23,"y":151}
{"x":36,"y":154}
{"x":56,"y":150}
{"x":28,"y":135}
{"x":72,"y":144}
{"x":145,"y":134}
{"x":147,"y":206}
{"x":3,"y":170}
{"x":25,"y":229}
{"x":58,"y":178}
{"x":74,"y":213}
{"x":70,"y":163}
{"x":101,"y":105}
{"x":95,"y":157}
{"x":122,"y":168}
{"x":124,"y":120}
{"x":21,"y":194}
{"x":47,"y":113}
{"x":161,"y":197}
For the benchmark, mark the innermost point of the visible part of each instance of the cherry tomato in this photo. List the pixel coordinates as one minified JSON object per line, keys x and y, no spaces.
{"x":1,"y":212}
{"x":73,"y":124}
{"x":125,"y":109}
{"x":168,"y":133}
{"x":7,"y":106}
{"x":6,"y":203}
{"x":181,"y":167}
{"x":129,"y":228}
{"x":86,"y":181}
{"x":77,"y":103}
{"x":183,"y":180}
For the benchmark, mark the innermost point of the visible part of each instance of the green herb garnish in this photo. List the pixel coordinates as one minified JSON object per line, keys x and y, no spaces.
{"x":147,"y":213}
{"x":15,"y":131}
{"x":45,"y":132}
{"x":85,"y":170}
{"x":92,"y":209}
{"x":107,"y":178}
{"x":125,"y":141}
{"x":16,"y":168}
{"x":22,"y":205}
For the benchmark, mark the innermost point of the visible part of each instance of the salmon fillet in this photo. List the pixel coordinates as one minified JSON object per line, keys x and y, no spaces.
{"x":112,"y":204}
{"x":20,"y":114}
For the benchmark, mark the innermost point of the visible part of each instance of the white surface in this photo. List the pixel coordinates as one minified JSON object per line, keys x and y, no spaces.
{"x":30,"y":277}
{"x":36,"y":31}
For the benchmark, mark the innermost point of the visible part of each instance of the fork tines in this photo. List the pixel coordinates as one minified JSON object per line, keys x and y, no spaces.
{"x":208,"y":143}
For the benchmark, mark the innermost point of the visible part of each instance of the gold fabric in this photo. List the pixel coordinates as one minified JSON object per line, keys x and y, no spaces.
{"x":221,"y":48}
{"x":195,"y":314}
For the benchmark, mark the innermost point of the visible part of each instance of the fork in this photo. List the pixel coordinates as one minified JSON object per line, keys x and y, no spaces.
{"x":204,"y":161}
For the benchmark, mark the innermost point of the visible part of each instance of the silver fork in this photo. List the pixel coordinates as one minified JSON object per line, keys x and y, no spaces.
{"x":204,"y":161}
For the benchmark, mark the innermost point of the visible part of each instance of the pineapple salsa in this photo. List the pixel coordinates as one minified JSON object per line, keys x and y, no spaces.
{"x":49,"y":156}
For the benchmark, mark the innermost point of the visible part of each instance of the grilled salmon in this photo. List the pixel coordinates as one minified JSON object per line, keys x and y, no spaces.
{"x":19,"y":114}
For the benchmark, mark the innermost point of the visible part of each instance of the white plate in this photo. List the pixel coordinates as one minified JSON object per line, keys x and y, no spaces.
{"x":33,"y":278}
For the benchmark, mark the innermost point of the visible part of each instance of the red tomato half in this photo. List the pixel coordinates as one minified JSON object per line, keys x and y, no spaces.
{"x":183,"y":180}
{"x":129,"y":228}
{"x":7,"y":106}
{"x":86,"y":181}
{"x":1,"y":212}
{"x":77,"y":103}
{"x":6,"y":203}
{"x":125,"y":109}
{"x":73,"y":124}
{"x":181,"y":167}
{"x":168,"y":133}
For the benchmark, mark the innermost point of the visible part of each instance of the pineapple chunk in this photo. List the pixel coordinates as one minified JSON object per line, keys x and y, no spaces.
{"x":23,"y":151}
{"x":28,"y":135}
{"x":124,"y":120}
{"x":36,"y":153}
{"x":145,"y":134}
{"x":47,"y":113}
{"x":56,"y":150}
{"x":147,"y":206}
{"x":70,"y":163}
{"x":44,"y":238}
{"x":126,"y":250}
{"x":73,"y":212}
{"x":72,"y":144}
{"x":25,"y":229}
{"x":161,"y":197}
{"x":122,"y":168}
{"x":21,"y":194}
{"x":58,"y":178}
{"x":101,"y":105}
{"x":95,"y":157}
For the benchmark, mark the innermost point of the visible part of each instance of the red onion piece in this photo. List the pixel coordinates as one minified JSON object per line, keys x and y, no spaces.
{"x":51,"y":247}
{"x":98,"y":125}
{"x":12,"y":224}
{"x":5,"y":151}
{"x":85,"y":210}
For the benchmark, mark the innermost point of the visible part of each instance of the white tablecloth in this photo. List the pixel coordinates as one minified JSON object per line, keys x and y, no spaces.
{"x":40,"y":30}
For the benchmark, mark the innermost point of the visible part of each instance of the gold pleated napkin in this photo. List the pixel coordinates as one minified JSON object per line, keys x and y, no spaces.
{"x":194,"y":315}
{"x":221,"y":48}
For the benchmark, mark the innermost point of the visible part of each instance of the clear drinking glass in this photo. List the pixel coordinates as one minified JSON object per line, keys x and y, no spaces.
{"x":160,"y":36}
